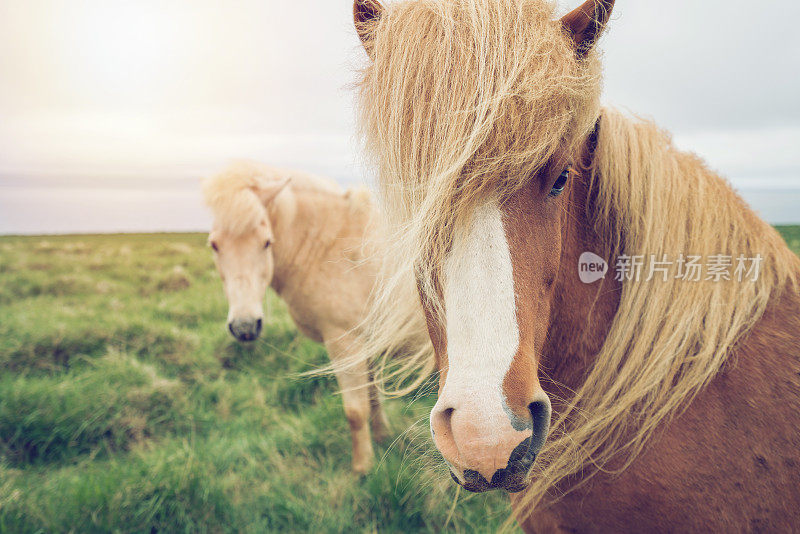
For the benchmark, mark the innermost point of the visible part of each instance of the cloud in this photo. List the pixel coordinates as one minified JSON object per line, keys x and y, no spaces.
{"x":152,"y":95}
{"x":271,"y":80}
{"x":761,"y":157}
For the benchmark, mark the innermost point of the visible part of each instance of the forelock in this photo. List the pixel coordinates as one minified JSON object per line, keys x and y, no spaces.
{"x":231,"y":197}
{"x":464,"y":101}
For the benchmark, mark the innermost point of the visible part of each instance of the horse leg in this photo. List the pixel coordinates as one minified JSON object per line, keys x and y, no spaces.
{"x":378,"y":419}
{"x":353,"y":381}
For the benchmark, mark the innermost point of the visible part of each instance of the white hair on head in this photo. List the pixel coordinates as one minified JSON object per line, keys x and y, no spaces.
{"x":231,"y":195}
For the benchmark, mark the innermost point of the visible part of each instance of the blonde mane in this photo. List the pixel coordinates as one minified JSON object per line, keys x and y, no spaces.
{"x":232,"y":195}
{"x":466,"y":100}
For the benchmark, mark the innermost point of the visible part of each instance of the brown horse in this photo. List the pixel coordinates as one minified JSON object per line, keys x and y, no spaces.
{"x":674,"y":392}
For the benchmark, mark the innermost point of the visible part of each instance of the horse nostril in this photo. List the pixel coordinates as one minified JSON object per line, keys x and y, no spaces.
{"x":258,"y":325}
{"x":441,"y":429}
{"x":540,"y":415}
{"x":230,"y":329}
{"x":443,"y":420}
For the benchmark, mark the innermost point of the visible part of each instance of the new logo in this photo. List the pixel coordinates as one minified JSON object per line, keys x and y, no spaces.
{"x":591,"y":267}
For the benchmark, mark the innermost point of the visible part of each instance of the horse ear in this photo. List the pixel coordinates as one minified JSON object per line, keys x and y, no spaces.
{"x":585,"y":23}
{"x":268,"y":193}
{"x":366,"y":13}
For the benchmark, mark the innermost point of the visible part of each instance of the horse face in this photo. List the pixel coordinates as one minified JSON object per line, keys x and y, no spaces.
{"x":492,"y":416}
{"x":496,"y":281}
{"x":245,"y":264}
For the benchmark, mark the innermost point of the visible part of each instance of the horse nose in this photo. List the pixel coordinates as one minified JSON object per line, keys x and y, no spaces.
{"x":490,"y":447}
{"x":245,"y":329}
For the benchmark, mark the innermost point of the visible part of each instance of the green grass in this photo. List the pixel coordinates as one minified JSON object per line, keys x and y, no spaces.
{"x":792,"y":236}
{"x":125,"y":406}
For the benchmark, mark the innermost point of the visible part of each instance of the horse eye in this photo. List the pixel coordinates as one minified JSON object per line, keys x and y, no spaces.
{"x":561,"y":182}
{"x":214,"y":246}
{"x":267,"y":244}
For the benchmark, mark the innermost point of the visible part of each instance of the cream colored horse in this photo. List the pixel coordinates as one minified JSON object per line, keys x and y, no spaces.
{"x":310,"y":241}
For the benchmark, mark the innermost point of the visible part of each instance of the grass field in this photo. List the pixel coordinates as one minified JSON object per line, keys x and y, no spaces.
{"x":125,"y":406}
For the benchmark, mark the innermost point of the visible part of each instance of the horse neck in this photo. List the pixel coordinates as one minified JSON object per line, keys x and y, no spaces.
{"x":302,"y":222}
{"x":581,"y":313}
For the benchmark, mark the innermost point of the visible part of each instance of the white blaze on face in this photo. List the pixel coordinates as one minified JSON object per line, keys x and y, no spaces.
{"x":480,"y":315}
{"x":246,"y":268}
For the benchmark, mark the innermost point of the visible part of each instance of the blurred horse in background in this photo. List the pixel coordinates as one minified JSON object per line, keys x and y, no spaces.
{"x":675,"y":400}
{"x":315,"y":245}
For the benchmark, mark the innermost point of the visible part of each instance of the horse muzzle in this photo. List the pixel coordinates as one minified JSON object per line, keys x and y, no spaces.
{"x":512,"y":478}
{"x":490,"y":448}
{"x":245,"y":329}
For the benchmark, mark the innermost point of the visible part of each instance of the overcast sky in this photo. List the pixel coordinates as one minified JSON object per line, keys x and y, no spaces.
{"x":155,"y":90}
